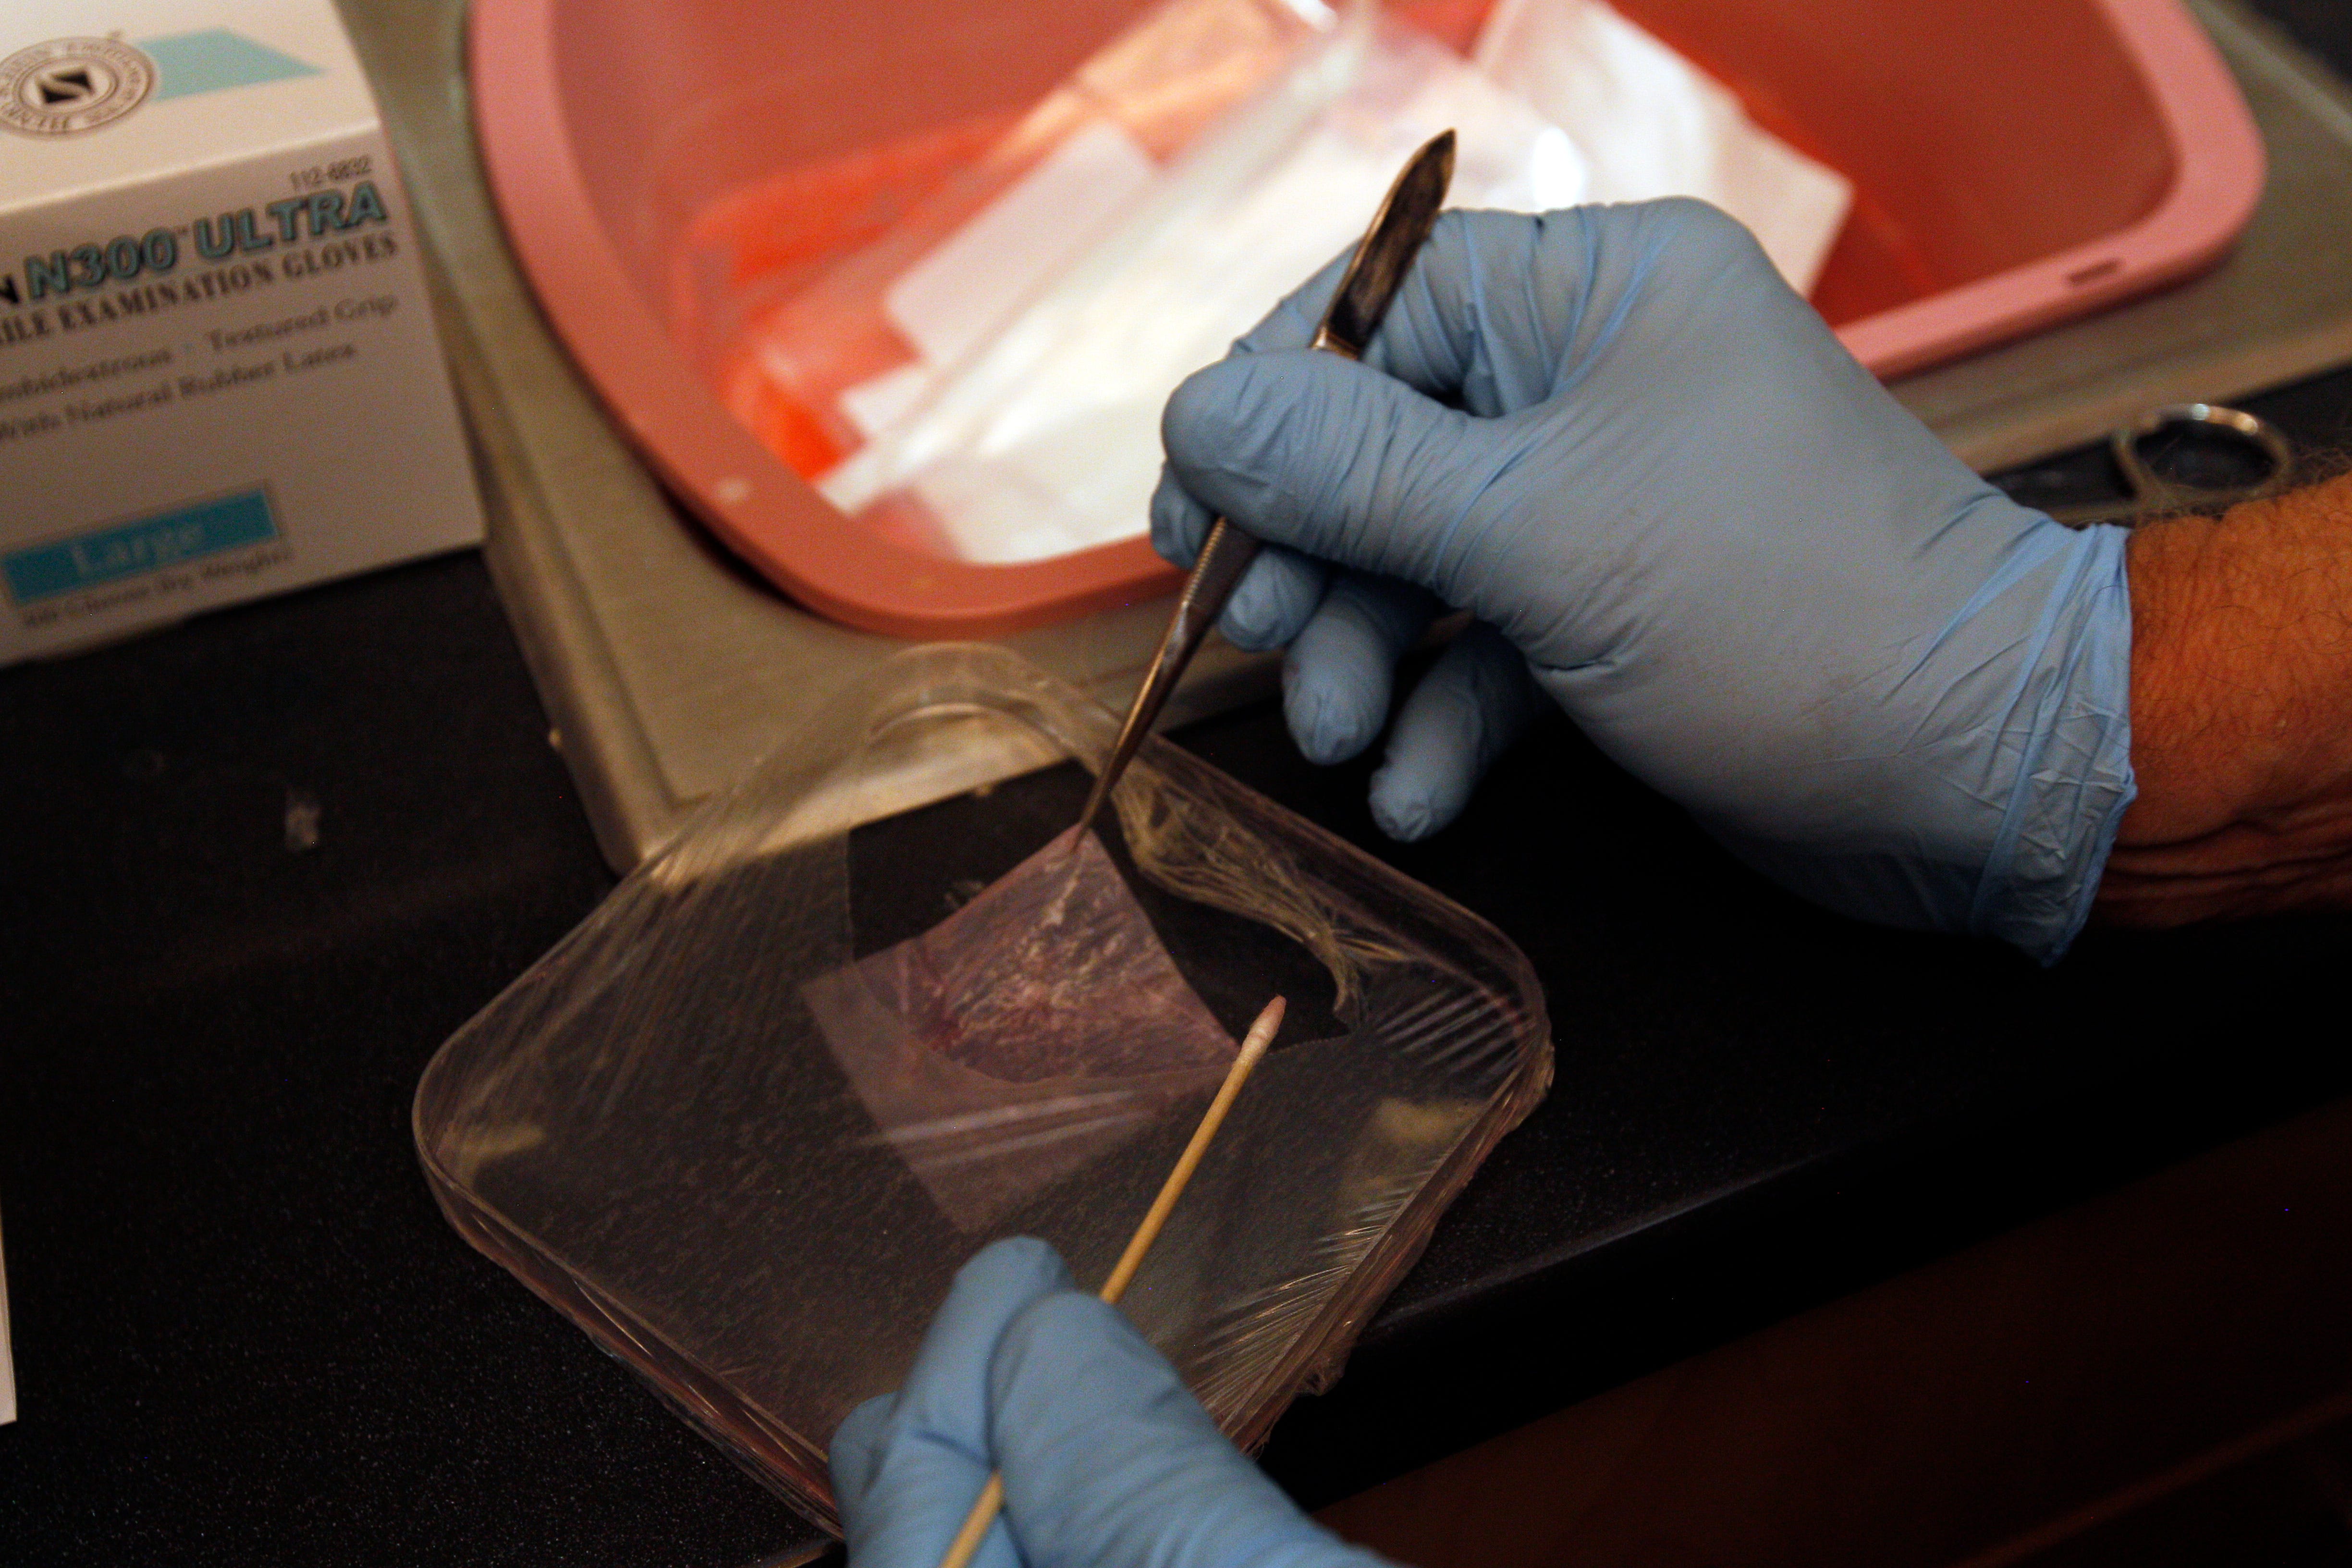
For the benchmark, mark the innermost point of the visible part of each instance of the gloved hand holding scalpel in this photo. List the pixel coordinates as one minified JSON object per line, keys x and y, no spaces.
{"x":1681,"y":510}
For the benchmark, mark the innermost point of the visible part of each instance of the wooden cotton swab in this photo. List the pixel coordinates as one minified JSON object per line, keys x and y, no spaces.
{"x":1261,"y":1035}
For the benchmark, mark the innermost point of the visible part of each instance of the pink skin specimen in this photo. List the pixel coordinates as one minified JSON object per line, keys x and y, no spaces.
{"x":1032,"y":1031}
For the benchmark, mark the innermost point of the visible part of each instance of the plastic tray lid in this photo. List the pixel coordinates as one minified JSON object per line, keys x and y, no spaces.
{"x":681,"y":1130}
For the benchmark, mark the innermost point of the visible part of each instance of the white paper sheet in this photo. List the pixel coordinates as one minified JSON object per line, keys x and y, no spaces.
{"x":1652,"y":124}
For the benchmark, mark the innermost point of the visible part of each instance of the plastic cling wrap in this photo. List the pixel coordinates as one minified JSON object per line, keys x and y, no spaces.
{"x":1022,"y":1036}
{"x":876,"y":1007}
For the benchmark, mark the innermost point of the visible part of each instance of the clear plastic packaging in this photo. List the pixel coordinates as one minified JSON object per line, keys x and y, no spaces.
{"x":724,"y":1128}
{"x":1040,"y":434}
{"x":790,"y":320}
{"x":984,"y":382}
{"x":1045,"y":436}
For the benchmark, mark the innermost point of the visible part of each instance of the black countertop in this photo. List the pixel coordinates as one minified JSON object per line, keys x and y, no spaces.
{"x":243,"y":1333}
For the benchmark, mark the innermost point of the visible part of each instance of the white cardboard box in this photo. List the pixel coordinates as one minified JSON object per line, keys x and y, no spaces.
{"x":218,"y":371}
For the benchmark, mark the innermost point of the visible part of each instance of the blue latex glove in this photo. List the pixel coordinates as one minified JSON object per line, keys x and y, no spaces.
{"x":1678,"y":507}
{"x":1108,"y":1461}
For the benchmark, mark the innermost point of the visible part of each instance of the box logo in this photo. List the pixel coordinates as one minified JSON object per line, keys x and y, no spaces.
{"x":134,"y":549}
{"x":72,"y":84}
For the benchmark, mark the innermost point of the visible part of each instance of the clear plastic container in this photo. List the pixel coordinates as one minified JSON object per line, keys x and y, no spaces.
{"x":676,"y":1130}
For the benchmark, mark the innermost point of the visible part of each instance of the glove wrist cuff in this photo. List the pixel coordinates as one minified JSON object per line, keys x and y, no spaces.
{"x":2073,"y":774}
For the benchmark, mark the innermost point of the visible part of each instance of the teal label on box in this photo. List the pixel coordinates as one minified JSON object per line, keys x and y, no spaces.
{"x":216,"y":59}
{"x":127,"y":549}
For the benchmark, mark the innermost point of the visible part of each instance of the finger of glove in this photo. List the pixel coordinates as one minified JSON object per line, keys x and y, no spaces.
{"x":946,"y":1390}
{"x":1107,"y":1457}
{"x":1475,"y":701}
{"x":1274,"y":600}
{"x":858,"y":1444}
{"x":1336,"y":460}
{"x":912,"y":1507}
{"x":907,"y":1467}
{"x":1336,"y":682}
{"x":1277,"y":594}
{"x":1180,"y":525}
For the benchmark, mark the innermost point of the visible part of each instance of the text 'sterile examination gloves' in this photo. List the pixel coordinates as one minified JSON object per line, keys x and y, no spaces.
{"x":1107,"y":1457}
{"x":1670,"y":495}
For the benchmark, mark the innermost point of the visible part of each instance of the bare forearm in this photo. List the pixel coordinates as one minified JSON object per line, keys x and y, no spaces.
{"x":2242,"y":714}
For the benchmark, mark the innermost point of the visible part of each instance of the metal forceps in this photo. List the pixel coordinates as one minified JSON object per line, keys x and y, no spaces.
{"x":2153,"y":494}
{"x":1389,"y":245}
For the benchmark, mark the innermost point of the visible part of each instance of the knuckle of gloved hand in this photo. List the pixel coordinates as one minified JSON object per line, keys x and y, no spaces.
{"x":1054,"y":1331}
{"x":1177,"y":520}
{"x":1692,"y":221}
{"x":1062,"y":1342}
{"x":1278,"y":596}
{"x":1461,"y":236}
{"x":860,"y":1436}
{"x":1017,"y":1266}
{"x":1232,"y":433}
{"x":1204,"y":418}
{"x":1698,"y":244}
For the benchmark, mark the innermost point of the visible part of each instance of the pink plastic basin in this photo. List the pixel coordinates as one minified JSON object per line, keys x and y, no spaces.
{"x":2013,"y":165}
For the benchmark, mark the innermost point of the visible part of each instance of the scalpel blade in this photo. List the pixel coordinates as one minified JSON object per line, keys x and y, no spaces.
{"x":1397,"y":233}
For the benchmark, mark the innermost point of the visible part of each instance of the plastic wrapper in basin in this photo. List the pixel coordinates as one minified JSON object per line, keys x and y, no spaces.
{"x":868,"y":1011}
